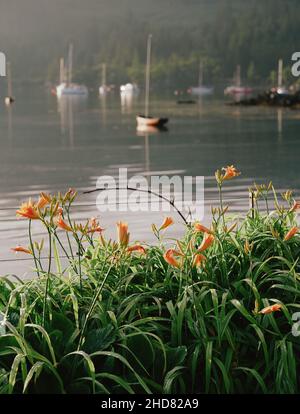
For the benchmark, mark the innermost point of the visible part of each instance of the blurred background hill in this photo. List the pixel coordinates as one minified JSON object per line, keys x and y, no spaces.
{"x":224,"y":33}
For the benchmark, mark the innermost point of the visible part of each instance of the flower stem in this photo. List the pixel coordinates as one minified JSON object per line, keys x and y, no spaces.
{"x":48,"y":277}
{"x":32,"y":249}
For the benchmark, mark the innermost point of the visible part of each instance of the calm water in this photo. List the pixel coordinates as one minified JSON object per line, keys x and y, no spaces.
{"x":49,"y":147}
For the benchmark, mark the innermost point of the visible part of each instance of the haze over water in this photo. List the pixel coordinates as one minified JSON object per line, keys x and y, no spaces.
{"x":49,"y":147}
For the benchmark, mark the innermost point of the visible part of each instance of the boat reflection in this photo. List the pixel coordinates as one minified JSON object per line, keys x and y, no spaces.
{"x":143,"y":130}
{"x":127,"y":100}
{"x":67,"y":106}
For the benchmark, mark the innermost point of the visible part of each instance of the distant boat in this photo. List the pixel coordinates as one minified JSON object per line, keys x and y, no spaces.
{"x":104,"y":89}
{"x":201,"y":89}
{"x":280,"y":89}
{"x":237,"y":89}
{"x":130,"y":89}
{"x":66,"y":86}
{"x":9,"y":99}
{"x":144,"y":120}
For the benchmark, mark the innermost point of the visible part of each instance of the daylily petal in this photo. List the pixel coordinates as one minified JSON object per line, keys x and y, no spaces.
{"x":271,"y":309}
{"x":291,"y":233}
{"x":168,"y":221}
{"x":207,"y":241}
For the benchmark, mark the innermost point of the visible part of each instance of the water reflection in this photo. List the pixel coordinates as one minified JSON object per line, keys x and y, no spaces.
{"x":103,"y":104}
{"x":279,"y":123}
{"x":68,"y":106}
{"x":127,"y":100}
{"x":9,"y":111}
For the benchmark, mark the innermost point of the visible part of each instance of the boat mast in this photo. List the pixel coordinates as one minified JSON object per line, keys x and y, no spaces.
{"x":280,"y":70}
{"x":147,"y":89}
{"x":238,"y":76}
{"x":200,"y":80}
{"x":61,"y":70}
{"x":70,"y":63}
{"x":9,"y":81}
{"x":103,"y":74}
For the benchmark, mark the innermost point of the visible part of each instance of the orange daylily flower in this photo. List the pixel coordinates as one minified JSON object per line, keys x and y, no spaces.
{"x":62,"y":224}
{"x":208,"y":239}
{"x":201,"y":228}
{"x":295,"y":206}
{"x":136,"y":248}
{"x":28,"y":210}
{"x":123,"y":235}
{"x":43,"y":200}
{"x":169,"y":257}
{"x":198,"y":260}
{"x":168,"y":221}
{"x":291,"y":233}
{"x":230,"y":172}
{"x":271,"y":309}
{"x":94,"y":226}
{"x":21,"y":249}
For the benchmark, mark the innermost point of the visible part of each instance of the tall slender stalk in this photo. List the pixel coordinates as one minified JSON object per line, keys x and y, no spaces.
{"x":221,"y":203}
{"x":32,"y":248}
{"x":48,"y":276}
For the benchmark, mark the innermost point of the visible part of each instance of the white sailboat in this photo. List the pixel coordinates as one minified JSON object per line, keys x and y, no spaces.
{"x":66,"y":86}
{"x":129,"y":89}
{"x":281,"y":90}
{"x":104,"y":88}
{"x":238,"y":89}
{"x":9,"y":99}
{"x":201,"y":89}
{"x":145,"y":120}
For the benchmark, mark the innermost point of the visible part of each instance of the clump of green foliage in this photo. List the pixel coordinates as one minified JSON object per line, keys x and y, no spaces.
{"x":211,"y":314}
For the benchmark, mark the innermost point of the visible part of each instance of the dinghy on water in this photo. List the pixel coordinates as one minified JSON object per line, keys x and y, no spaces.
{"x":66,"y":86}
{"x":145,"y":120}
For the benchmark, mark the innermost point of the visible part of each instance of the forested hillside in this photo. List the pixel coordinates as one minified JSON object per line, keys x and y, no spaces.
{"x":254,"y":33}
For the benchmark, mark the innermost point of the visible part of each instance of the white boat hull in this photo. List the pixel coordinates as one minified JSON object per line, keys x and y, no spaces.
{"x":201,"y":90}
{"x":73,"y":89}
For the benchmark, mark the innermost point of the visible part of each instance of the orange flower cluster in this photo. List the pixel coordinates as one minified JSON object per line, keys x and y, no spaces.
{"x":198,"y":258}
{"x":123,"y":239}
{"x":29,"y":210}
{"x":229,"y":172}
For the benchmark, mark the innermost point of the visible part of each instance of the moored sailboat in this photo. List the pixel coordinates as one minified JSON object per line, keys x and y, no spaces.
{"x":238,"y":89}
{"x":201,"y":89}
{"x":67,"y":86}
{"x":145,"y":120}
